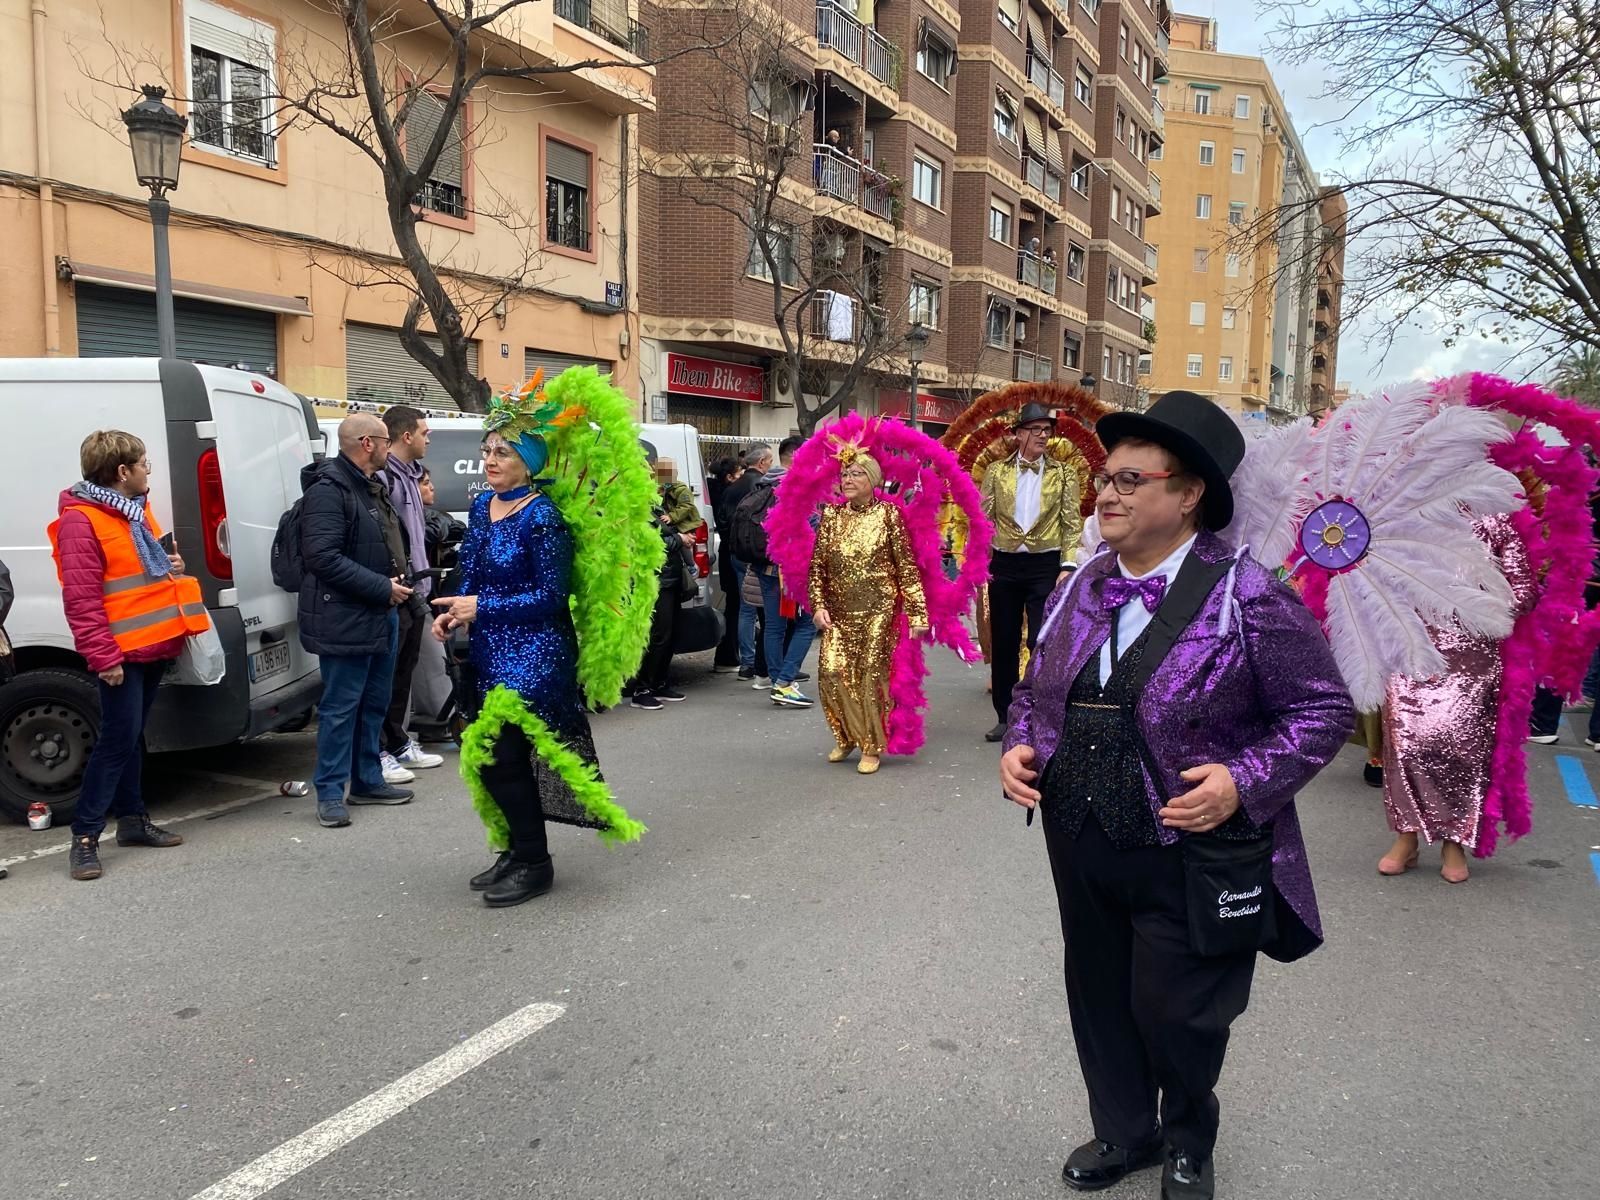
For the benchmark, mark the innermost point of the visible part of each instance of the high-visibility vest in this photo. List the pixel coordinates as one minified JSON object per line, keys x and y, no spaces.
{"x":142,"y":611}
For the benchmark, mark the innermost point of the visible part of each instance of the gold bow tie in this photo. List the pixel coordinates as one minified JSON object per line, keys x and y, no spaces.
{"x":1035,"y":466}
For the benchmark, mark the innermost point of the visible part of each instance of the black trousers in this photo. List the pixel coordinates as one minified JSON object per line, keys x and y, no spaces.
{"x":412,"y":626}
{"x":1019,"y":585}
{"x":511,"y":781}
{"x":1148,"y":1014}
{"x":728,"y":649}
{"x":657,"y":659}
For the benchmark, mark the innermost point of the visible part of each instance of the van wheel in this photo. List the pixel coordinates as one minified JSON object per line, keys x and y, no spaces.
{"x":49,"y":722}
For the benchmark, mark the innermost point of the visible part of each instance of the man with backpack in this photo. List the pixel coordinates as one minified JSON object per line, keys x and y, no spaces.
{"x":750,"y":545}
{"x":343,"y":547}
{"x":756,"y":461}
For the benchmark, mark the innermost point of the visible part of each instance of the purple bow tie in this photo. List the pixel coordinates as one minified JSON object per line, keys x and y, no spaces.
{"x":1118,"y":591}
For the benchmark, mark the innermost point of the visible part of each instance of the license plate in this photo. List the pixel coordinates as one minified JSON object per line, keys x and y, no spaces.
{"x":269,"y":661}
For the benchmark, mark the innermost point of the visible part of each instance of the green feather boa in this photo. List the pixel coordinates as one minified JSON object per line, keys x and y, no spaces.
{"x":502,"y":707}
{"x":605,"y":490}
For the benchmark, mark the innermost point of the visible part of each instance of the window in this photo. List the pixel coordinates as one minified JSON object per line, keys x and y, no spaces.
{"x":935,"y":58}
{"x":1229,"y":317}
{"x":1105,"y":363}
{"x":1080,"y":179}
{"x":445,"y":190}
{"x":1124,"y":367}
{"x":1121,"y":125}
{"x":1092,"y":7}
{"x":1197,"y":312}
{"x":1236,"y":212}
{"x":1196,"y":365}
{"x":1146,"y":363}
{"x":1083,"y":86}
{"x":1156,"y":151}
{"x":1011,"y":14}
{"x":997,"y":325}
{"x":1113,"y":283}
{"x":1208,"y":153}
{"x":1202,"y":207}
{"x":780,"y":101}
{"x":780,"y":238}
{"x":927,"y":182}
{"x":1122,"y":42}
{"x":1238,"y":162}
{"x":1202,"y":259}
{"x":230,"y":73}
{"x":1202,"y":100}
{"x":1225,"y":369}
{"x":566,"y":195}
{"x":1000,"y":222}
{"x":1116,"y":203}
{"x":1076,"y":261}
{"x":1071,"y":349}
{"x":1241,"y":107}
{"x":1005,"y":116}
{"x":1231,"y":267}
{"x":925,"y":302}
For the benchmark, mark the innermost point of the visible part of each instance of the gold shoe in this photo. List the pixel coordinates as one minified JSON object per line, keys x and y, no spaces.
{"x":868,"y":765}
{"x":839,"y":753}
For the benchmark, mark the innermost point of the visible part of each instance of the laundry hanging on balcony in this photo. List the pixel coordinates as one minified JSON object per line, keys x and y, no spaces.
{"x":838,"y":316}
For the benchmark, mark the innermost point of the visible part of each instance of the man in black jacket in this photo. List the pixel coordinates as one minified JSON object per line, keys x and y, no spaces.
{"x":355,"y":570}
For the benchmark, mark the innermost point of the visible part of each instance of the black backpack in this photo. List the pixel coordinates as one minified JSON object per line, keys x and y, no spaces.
{"x":288,"y":564}
{"x":749,"y":532}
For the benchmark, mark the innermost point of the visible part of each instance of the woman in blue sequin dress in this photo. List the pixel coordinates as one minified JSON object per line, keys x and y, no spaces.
{"x":515,"y":592}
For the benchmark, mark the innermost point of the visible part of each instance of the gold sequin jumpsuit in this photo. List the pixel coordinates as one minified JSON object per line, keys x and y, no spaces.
{"x":863,"y":573}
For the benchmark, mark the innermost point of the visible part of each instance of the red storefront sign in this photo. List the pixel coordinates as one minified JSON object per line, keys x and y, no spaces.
{"x":691,"y":376}
{"x":937,"y":409}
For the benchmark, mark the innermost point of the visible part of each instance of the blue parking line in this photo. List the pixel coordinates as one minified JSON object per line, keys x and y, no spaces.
{"x":1579,"y":790}
{"x":1594,"y":861}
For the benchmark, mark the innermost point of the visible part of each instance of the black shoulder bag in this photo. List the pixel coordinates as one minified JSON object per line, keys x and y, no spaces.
{"x":1228,"y":883}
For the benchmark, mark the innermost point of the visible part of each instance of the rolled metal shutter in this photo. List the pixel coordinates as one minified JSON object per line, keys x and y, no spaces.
{"x":1033,"y":132}
{"x":1052,"y":149}
{"x":121,"y":323}
{"x":566,"y":163}
{"x":553,"y":364}
{"x":378,"y":369}
{"x":1036,"y":34}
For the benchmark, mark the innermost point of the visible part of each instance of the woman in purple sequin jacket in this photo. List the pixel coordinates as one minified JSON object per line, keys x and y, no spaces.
{"x":1129,"y":761}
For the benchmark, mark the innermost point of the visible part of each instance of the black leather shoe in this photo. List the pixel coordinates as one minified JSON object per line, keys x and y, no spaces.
{"x":485,"y":879}
{"x":84,"y":861}
{"x":1372,"y":773}
{"x":140,"y":831}
{"x":387,"y":794}
{"x":998,"y":732}
{"x":1186,"y":1177}
{"x":521,"y":882}
{"x":1095,"y":1165}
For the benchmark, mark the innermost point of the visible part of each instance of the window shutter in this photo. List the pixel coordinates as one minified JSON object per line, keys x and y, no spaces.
{"x":422,"y":120}
{"x":232,"y":36}
{"x":1036,"y":34}
{"x":1012,"y":9}
{"x":566,"y":163}
{"x":1033,"y":128}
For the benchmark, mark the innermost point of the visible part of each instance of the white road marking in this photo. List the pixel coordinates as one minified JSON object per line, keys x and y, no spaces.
{"x":210,"y":811}
{"x":316,"y":1143}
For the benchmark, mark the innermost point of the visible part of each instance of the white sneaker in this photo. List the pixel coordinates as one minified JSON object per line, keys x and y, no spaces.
{"x":415,"y":756}
{"x":393,"y":772}
{"x":762,"y":683}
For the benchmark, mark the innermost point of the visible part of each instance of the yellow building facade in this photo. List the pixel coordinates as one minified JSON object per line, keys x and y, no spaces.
{"x":283,"y":258}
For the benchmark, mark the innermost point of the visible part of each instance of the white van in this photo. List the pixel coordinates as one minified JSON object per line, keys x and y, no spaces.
{"x":226,"y":450}
{"x":456,"y":467}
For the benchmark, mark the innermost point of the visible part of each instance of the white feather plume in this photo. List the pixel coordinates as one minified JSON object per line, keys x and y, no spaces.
{"x":1375,"y":636}
{"x":1270,"y":498}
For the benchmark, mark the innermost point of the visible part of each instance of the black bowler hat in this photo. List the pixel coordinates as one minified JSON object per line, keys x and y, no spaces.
{"x":1033,"y":412}
{"x":1203,"y":436}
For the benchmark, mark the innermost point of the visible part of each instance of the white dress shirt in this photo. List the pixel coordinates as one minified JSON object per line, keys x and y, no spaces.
{"x":1133,"y":617}
{"x":1030,"y":485}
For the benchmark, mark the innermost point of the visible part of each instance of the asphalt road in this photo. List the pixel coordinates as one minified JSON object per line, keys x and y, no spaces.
{"x":801,"y":984}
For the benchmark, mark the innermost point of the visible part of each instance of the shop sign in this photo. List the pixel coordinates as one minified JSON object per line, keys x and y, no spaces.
{"x":939,"y":409}
{"x":691,"y":376}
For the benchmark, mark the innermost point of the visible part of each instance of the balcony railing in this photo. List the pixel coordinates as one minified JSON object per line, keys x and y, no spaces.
{"x":1155,"y":190}
{"x":837,"y":317}
{"x":1163,"y":46}
{"x":1150,"y":257}
{"x":1158,"y":112}
{"x":839,"y":30}
{"x":844,"y":178}
{"x":635,"y":38}
{"x":1031,"y":368}
{"x":1036,"y":272}
{"x":1047,"y":79}
{"x":1042,"y":175}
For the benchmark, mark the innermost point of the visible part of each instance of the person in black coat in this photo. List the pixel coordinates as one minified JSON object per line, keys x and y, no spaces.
{"x":355,"y":558}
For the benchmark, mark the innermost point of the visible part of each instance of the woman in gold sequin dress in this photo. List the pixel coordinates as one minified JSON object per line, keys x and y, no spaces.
{"x":863,"y":577}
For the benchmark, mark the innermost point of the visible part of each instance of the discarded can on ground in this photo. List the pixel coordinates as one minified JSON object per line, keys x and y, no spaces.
{"x":294,"y":787}
{"x":38,"y":815}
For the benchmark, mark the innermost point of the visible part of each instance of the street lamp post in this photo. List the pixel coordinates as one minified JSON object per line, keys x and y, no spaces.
{"x":916,"y":343}
{"x":155,"y":132}
{"x":1088,"y":382}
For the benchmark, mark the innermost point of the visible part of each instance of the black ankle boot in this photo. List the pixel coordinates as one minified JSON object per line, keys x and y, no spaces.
{"x":497,"y":872}
{"x":140,"y":831}
{"x":522,"y":882}
{"x":85,"y":858}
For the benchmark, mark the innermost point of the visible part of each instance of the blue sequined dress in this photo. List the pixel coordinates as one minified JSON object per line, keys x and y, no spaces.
{"x":520,"y":569}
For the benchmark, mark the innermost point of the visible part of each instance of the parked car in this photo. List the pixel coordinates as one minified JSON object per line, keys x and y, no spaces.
{"x":226,"y":449}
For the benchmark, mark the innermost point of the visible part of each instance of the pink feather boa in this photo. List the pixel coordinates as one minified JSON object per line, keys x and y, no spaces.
{"x":922,"y":473}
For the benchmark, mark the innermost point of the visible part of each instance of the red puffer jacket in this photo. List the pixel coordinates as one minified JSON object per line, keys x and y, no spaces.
{"x":83,"y":570}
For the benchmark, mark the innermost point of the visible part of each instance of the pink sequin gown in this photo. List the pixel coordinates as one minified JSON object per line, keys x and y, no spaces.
{"x":1439,"y":734}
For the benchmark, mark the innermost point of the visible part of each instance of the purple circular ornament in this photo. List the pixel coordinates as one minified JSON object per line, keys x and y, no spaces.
{"x":1335,"y":536}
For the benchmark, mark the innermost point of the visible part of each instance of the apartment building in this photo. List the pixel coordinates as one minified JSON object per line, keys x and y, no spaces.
{"x":977,"y":170}
{"x":1243,"y":237}
{"x":280,"y":241}
{"x":1334,"y":211}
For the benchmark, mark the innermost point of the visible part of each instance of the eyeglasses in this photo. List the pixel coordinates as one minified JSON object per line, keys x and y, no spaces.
{"x":498,"y":453}
{"x":1126,"y":482}
{"x":375,"y":437}
{"x":1042,"y":430}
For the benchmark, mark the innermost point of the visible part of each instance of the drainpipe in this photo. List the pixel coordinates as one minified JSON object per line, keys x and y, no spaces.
{"x":47,"y":196}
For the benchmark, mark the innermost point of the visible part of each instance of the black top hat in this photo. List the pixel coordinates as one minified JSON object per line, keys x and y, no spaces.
{"x":1206,"y":438}
{"x":1033,"y":412}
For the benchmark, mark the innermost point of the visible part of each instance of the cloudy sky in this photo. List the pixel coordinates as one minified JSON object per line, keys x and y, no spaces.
{"x":1416,"y":353}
